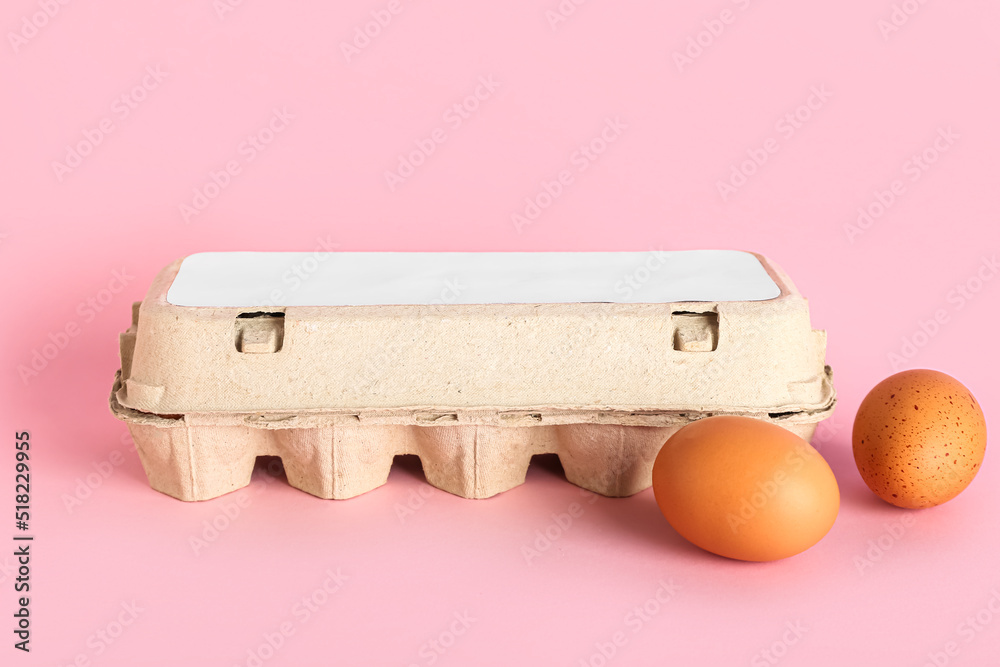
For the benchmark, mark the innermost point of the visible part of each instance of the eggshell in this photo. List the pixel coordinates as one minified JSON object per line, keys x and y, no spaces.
{"x":744,"y":488}
{"x":919,"y":438}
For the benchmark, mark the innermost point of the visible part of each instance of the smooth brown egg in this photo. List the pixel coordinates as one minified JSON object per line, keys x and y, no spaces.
{"x":919,"y":438}
{"x":745,"y":488}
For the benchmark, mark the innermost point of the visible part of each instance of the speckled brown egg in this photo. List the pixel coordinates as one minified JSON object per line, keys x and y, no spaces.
{"x":919,"y":438}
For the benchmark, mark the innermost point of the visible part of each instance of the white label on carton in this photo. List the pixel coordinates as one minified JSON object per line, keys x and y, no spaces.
{"x":261,"y":279}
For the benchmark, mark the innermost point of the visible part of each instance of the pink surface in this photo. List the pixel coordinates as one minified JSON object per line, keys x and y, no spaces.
{"x":449,"y":583}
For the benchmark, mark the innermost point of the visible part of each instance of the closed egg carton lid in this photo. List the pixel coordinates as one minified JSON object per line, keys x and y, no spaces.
{"x":377,"y":334}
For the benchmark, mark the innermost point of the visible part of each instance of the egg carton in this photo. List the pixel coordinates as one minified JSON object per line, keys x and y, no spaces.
{"x":475,"y":362}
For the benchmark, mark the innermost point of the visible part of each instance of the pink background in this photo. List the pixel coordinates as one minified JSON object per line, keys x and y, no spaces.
{"x":886,"y":97}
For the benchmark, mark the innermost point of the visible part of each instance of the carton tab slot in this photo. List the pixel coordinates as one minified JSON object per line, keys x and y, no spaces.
{"x":695,"y":332}
{"x":259,"y":333}
{"x":436,"y":418}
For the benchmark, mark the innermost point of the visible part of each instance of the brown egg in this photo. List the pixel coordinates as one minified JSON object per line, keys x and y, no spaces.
{"x":919,"y":438}
{"x":745,"y":488}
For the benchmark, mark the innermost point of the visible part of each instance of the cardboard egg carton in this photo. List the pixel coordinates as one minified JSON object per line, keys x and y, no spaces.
{"x":475,"y":362}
